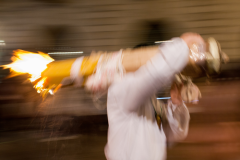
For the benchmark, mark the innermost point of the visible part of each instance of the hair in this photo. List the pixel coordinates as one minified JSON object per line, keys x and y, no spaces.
{"x":144,"y":45}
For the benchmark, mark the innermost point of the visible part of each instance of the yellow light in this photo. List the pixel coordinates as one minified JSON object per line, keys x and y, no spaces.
{"x":39,"y":86}
{"x":28,"y":62}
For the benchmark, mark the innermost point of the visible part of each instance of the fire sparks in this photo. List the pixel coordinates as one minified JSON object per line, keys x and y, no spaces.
{"x":40,"y":85}
{"x":28,"y":62}
{"x":31,"y":63}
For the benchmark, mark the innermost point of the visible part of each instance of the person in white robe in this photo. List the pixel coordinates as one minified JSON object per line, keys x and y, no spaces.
{"x":133,"y":132}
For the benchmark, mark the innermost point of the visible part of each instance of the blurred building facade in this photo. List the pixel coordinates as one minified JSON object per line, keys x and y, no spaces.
{"x":83,"y":25}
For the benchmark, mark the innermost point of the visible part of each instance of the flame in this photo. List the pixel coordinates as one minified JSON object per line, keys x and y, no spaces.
{"x":28,"y":62}
{"x":32,"y":63}
{"x":39,"y":86}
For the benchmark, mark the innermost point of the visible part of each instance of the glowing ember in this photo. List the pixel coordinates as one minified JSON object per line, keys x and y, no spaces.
{"x":28,"y":62}
{"x":33,"y":64}
{"x":39,"y":86}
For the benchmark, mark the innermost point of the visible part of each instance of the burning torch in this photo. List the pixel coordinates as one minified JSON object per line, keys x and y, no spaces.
{"x":98,"y":70}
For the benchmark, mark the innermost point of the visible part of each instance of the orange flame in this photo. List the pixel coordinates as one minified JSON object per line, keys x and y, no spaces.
{"x":32,"y":63}
{"x":28,"y":62}
{"x":39,"y":86}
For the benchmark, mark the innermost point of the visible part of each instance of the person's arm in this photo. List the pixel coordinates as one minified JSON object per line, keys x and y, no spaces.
{"x":136,"y":87}
{"x":174,"y":119}
{"x":177,"y":121}
{"x":174,"y":115}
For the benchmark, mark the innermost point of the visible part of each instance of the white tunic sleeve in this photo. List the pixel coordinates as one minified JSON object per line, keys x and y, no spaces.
{"x":177,"y":121}
{"x":137,"y":87}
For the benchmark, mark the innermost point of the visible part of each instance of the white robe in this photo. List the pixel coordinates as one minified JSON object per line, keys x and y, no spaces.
{"x":133,"y":133}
